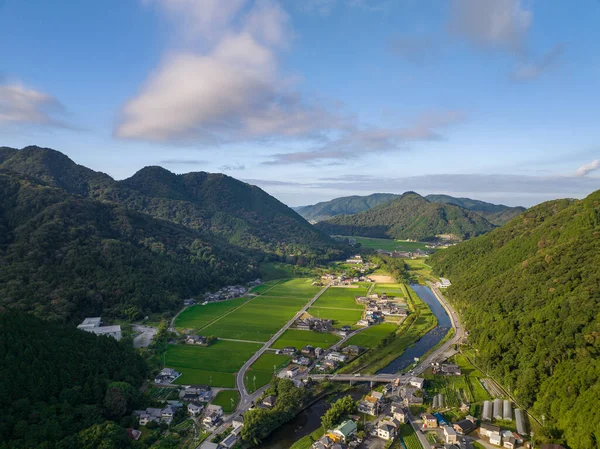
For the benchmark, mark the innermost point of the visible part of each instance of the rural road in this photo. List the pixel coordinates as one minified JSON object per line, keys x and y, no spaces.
{"x":144,"y":336}
{"x":244,"y":395}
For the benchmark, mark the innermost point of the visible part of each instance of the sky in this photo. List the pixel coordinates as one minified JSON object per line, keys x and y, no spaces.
{"x":497,"y":100}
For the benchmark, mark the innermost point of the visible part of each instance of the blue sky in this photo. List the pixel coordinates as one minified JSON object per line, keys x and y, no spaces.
{"x":493,"y":99}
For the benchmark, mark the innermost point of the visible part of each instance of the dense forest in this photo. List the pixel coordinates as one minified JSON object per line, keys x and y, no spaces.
{"x":63,"y":388}
{"x":347,"y":205}
{"x":214,"y":204}
{"x":497,"y":214}
{"x":65,"y":257}
{"x":530,"y":295}
{"x":409,"y":217}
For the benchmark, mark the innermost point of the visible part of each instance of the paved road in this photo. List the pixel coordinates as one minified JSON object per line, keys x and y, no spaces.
{"x":144,"y":336}
{"x":346,"y":338}
{"x":244,"y":395}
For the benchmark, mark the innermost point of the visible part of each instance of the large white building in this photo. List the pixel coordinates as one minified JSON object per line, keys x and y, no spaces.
{"x":93,"y":325}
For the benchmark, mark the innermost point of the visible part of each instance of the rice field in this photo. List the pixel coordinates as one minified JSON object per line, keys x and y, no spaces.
{"x":370,"y":338}
{"x":197,"y":316}
{"x":227,"y":399}
{"x":215,"y":365}
{"x":299,"y":338}
{"x":340,"y":317}
{"x":261,"y":372}
{"x":338,"y":297}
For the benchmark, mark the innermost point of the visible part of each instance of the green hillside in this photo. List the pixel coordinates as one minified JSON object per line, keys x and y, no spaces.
{"x":530,"y":295}
{"x":497,"y":214}
{"x":343,"y":206}
{"x":65,"y":257}
{"x":214,"y":204}
{"x":409,"y":217}
{"x":60,"y":385}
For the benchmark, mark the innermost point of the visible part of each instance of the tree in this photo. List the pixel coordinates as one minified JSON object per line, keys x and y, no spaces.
{"x":338,"y":410}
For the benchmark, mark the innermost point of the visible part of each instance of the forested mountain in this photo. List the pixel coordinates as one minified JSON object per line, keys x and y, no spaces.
{"x":409,"y":217}
{"x":214,"y":204}
{"x":59,"y":386}
{"x":343,"y":206}
{"x":65,"y":257}
{"x":497,"y":214}
{"x":530,"y":295}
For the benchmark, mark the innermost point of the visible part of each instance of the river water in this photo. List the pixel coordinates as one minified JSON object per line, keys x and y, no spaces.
{"x":309,"y":420}
{"x":430,"y":339}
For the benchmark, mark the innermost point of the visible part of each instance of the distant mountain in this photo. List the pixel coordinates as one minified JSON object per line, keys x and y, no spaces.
{"x":343,"y":206}
{"x":214,"y":204}
{"x":64,"y":257}
{"x":530,"y":296}
{"x":409,"y":216}
{"x":497,"y":214}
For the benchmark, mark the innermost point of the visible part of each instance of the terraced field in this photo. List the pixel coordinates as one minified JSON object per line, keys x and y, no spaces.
{"x":261,"y":372}
{"x":215,"y":365}
{"x":298,"y":339}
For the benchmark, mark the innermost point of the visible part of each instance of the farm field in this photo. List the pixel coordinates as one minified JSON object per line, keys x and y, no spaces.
{"x":223,"y":358}
{"x":263,"y":370}
{"x":389,"y":289}
{"x":227,"y":399}
{"x":409,"y":437}
{"x":259,"y":319}
{"x":389,"y":244}
{"x":371,"y":337}
{"x":198,"y":315}
{"x":340,"y":317}
{"x":343,"y":298}
{"x":298,"y":339}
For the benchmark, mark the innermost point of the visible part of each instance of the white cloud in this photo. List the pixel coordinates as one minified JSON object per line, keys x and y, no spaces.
{"x":586,"y":169}
{"x":354,"y":142}
{"x":20,"y":104}
{"x":234,"y":91}
{"x":531,"y":70}
{"x":491,"y":23}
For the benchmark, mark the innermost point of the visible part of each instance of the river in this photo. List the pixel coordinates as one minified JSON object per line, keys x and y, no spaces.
{"x":430,"y":339}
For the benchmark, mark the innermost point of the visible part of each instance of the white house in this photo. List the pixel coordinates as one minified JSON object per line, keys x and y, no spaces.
{"x":450,"y":435}
{"x":195,"y":410}
{"x":417,"y":382}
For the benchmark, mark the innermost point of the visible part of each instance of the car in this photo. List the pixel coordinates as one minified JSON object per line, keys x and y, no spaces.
{"x":357,"y":375}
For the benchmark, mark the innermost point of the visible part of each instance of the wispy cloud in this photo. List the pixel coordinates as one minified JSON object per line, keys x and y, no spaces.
{"x":531,"y":70}
{"x":414,"y":49}
{"x":491,"y":23}
{"x":586,"y":169}
{"x":20,"y":104}
{"x":184,"y":162}
{"x":232,"y":167}
{"x":355,"y":141}
{"x":325,"y":7}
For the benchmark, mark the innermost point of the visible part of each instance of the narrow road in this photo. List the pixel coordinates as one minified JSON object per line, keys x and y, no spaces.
{"x":346,"y":338}
{"x":244,"y":395}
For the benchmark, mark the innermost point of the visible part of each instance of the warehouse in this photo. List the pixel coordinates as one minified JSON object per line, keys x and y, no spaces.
{"x":497,"y":408}
{"x":487,"y":411}
{"x":520,"y":418}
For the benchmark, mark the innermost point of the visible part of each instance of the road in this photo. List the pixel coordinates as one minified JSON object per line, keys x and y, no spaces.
{"x":346,"y":338}
{"x":144,"y":336}
{"x":244,"y":395}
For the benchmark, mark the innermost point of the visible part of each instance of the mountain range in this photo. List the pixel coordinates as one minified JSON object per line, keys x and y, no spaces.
{"x":496,"y":214}
{"x":409,"y":216}
{"x":75,"y":242}
{"x":530,"y":296}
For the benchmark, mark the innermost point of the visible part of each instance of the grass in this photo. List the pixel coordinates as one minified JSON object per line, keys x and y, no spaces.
{"x":343,"y":298}
{"x":298,"y":339}
{"x":340,"y":317}
{"x":227,"y":399}
{"x":215,"y":365}
{"x":307,"y":441}
{"x":408,"y":435}
{"x":371,"y":337}
{"x":263,"y":369}
{"x":389,"y":289}
{"x":419,"y":270}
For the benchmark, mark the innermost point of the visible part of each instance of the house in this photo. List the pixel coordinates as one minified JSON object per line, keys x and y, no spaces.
{"x":196,"y":394}
{"x":399,"y":414}
{"x":195,"y":410}
{"x":288,"y":350}
{"x":336,"y":357}
{"x":166,"y":376}
{"x":238,"y":421}
{"x":308,"y":350}
{"x":385,"y":431}
{"x":369,"y":406}
{"x":196,"y":340}
{"x":449,"y":369}
{"x":496,"y":439}
{"x":324,"y":443}
{"x":363,"y":322}
{"x":318,"y":352}
{"x":291,"y":372}
{"x":329,"y":364}
{"x":269,"y":401}
{"x":412,"y":399}
{"x":377,"y":395}
{"x":464,"y":426}
{"x":444,"y":283}
{"x":510,"y":442}
{"x":213,"y":415}
{"x":429,"y":421}
{"x":157,"y":415}
{"x":304,"y":361}
{"x":345,"y":431}
{"x":92,"y":325}
{"x":485,"y":430}
{"x":450,"y":435}
{"x":352,"y":349}
{"x":229,"y":441}
{"x":417,"y":382}
{"x":209,"y":445}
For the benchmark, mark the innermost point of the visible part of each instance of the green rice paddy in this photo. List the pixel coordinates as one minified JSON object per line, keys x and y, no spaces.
{"x":298,"y":339}
{"x":262,"y":371}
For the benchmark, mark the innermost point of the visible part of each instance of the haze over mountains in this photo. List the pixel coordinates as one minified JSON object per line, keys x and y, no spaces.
{"x":530,"y":296}
{"x":497,"y":214}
